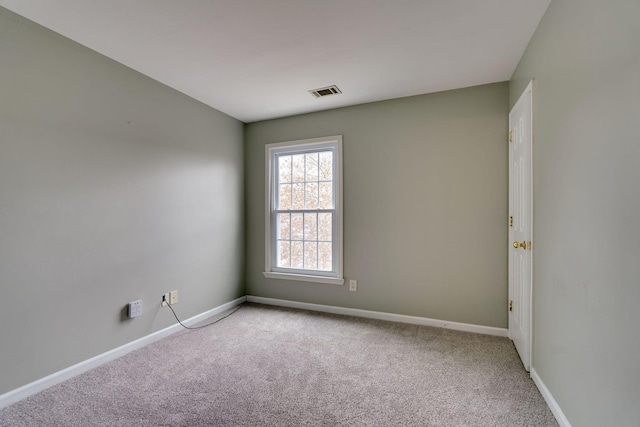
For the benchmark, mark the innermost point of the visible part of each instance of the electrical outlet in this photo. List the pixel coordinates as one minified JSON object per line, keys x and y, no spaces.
{"x":170,"y":297}
{"x":135,"y":308}
{"x":353,"y":285}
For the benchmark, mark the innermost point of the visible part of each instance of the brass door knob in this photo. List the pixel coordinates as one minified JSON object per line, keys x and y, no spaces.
{"x":522,"y":245}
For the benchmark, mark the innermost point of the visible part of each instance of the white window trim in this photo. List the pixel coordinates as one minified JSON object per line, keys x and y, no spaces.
{"x":270,"y":150}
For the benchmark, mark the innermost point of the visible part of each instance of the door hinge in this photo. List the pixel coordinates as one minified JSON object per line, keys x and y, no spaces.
{"x":510,"y":305}
{"x":510,"y":136}
{"x":510,"y":221}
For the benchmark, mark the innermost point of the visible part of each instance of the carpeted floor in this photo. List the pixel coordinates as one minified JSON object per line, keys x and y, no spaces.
{"x":268,"y":366}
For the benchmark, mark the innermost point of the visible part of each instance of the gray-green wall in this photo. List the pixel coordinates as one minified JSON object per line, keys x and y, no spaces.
{"x":425,"y":205}
{"x":113,"y":187}
{"x":585,"y":59}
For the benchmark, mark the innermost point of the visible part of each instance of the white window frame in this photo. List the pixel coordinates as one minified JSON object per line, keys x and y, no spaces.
{"x":273,"y":150}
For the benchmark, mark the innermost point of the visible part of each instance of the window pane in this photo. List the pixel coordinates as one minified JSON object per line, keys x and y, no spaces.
{"x":325,"y":226}
{"x":284,"y":169}
{"x":310,"y":226}
{"x":284,"y":196}
{"x":298,"y":167}
{"x":284,"y":254}
{"x":324,"y":256}
{"x":312,"y":167}
{"x":310,"y":255}
{"x":297,"y":230}
{"x":326,"y":195}
{"x":284,"y":226}
{"x":311,"y":195}
{"x":326,"y":166}
{"x":297,"y":255}
{"x":297,"y":196}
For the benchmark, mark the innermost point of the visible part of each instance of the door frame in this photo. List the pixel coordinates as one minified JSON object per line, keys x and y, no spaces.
{"x":528,"y":91}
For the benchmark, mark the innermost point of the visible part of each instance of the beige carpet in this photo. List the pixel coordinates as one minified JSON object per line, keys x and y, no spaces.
{"x":268,"y":366}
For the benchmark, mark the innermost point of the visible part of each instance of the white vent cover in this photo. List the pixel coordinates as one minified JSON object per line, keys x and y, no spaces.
{"x":325,"y":91}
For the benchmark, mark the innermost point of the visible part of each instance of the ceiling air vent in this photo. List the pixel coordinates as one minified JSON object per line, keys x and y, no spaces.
{"x":325,"y":91}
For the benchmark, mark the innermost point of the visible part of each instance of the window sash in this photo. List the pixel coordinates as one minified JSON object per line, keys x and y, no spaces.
{"x":275,"y":241}
{"x":275,"y":201}
{"x":275,"y":166}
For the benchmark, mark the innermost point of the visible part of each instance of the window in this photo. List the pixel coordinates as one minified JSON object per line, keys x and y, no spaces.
{"x":304,"y":210}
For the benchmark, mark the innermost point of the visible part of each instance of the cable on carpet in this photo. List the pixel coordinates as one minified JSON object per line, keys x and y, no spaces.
{"x":201,"y":326}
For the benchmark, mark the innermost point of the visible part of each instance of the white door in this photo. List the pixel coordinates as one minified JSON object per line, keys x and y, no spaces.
{"x":520,"y":225}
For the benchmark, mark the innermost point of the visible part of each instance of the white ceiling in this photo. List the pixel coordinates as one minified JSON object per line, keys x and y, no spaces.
{"x":256,"y":59}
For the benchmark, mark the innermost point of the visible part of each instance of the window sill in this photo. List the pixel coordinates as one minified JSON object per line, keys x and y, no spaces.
{"x":304,"y":278}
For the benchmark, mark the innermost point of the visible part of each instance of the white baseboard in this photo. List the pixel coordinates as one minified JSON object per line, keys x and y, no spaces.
{"x":487,"y":330}
{"x":84,"y":366}
{"x":551,"y":402}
